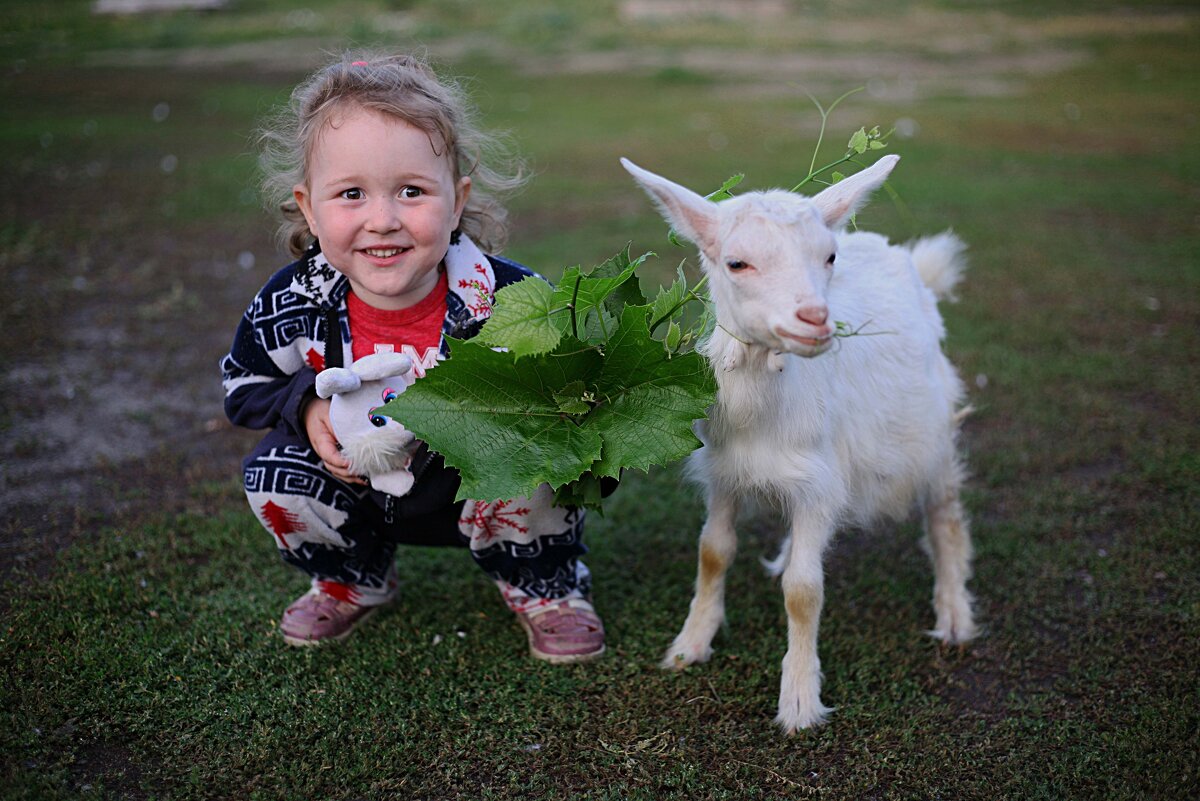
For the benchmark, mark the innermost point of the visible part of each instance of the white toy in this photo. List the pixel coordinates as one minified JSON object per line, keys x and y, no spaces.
{"x":375,"y":445}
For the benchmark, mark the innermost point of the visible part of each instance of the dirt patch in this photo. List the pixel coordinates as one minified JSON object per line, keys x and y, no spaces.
{"x":110,"y":765}
{"x":112,"y":404}
{"x":120,"y":408}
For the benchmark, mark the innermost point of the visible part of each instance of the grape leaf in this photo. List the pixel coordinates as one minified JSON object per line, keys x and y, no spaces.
{"x":628,"y":293}
{"x":588,"y":292}
{"x":526,"y":319}
{"x":585,"y":491}
{"x":496,"y":417}
{"x":669,"y":300}
{"x":531,"y":317}
{"x":574,"y":398}
{"x":673,"y":337}
{"x":647,"y":401}
{"x":858,"y":141}
{"x":569,"y":399}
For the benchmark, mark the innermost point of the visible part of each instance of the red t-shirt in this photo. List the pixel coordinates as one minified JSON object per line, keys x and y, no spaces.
{"x":416,"y":331}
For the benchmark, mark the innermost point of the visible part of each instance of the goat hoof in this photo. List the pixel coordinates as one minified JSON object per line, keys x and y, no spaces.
{"x":955,"y":627}
{"x":679,"y":657}
{"x":793,"y":717}
{"x":954,"y":635}
{"x":674,"y":662}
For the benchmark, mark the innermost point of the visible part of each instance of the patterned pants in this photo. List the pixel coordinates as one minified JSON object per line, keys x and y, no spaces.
{"x":345,"y":536}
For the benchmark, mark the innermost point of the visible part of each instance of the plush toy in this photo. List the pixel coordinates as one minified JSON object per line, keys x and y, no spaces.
{"x":375,"y":445}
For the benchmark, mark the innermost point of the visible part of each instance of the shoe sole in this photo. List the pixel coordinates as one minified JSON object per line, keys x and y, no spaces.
{"x":302,"y":643}
{"x":556,"y":659}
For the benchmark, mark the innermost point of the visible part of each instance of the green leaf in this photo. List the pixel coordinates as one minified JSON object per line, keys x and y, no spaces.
{"x":588,"y":292}
{"x":597,"y":326}
{"x":496,"y":418}
{"x":725,"y":192}
{"x":574,"y":398}
{"x":585,"y":491}
{"x":647,"y":401}
{"x":877,"y":145}
{"x":669,"y":300}
{"x":674,"y":334}
{"x":512,"y":420}
{"x":858,"y":141}
{"x":837,"y":176}
{"x":526,"y":319}
{"x":628,"y":293}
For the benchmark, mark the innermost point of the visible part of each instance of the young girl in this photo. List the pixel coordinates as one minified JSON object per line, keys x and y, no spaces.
{"x":380,"y":166}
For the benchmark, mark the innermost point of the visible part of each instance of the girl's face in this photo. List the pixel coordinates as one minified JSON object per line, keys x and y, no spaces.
{"x":383,"y":204}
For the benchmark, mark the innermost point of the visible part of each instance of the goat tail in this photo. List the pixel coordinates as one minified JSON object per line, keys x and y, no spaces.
{"x":941,"y":261}
{"x":775,"y":567}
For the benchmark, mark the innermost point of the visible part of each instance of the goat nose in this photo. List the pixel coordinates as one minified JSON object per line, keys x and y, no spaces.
{"x":813,"y":314}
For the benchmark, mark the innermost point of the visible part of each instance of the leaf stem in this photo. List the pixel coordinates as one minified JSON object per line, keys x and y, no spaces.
{"x":825,"y":112}
{"x":574,"y":299}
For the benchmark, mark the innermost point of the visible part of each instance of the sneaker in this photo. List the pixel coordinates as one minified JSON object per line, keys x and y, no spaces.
{"x":563,"y":632}
{"x":317,"y":617}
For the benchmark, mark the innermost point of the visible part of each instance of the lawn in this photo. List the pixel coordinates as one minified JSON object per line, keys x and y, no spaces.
{"x":139,"y":642}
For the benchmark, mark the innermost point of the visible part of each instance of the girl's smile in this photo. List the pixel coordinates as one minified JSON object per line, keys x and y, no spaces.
{"x":382,"y":199}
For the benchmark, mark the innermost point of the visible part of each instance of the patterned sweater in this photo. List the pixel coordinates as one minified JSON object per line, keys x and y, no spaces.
{"x":281,"y":342}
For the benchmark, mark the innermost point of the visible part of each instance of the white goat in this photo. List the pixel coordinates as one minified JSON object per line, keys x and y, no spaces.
{"x":863,"y":432}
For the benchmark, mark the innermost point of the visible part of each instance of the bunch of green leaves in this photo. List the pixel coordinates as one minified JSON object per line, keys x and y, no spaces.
{"x":566,"y":385}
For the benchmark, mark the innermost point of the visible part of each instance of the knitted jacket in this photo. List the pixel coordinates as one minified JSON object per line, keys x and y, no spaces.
{"x":284,"y":337}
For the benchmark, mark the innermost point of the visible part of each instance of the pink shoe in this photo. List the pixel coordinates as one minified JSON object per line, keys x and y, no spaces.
{"x":316,"y":618}
{"x":564,"y":632}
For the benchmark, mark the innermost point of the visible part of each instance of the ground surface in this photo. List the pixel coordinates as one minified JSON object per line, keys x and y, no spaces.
{"x":141,"y":601}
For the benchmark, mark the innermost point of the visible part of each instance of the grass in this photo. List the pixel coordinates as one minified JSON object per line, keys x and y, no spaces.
{"x":142,"y":661}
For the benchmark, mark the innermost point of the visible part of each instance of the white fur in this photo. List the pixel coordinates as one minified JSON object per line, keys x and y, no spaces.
{"x":835,"y":431}
{"x":379,"y":452}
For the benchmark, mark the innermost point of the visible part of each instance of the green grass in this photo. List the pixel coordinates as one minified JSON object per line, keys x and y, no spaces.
{"x":144,"y":661}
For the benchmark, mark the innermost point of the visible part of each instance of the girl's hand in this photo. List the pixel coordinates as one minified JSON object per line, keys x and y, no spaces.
{"x":320,"y":434}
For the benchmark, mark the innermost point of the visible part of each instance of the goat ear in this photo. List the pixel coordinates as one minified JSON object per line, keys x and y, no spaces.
{"x":838,"y":203}
{"x":694,"y":217}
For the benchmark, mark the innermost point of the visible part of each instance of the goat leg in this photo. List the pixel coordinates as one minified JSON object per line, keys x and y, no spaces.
{"x":949,"y":543}
{"x":804,"y":594}
{"x":718,"y":544}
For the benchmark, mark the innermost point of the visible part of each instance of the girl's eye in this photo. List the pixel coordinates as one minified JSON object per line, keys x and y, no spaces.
{"x":352,"y":194}
{"x":736,"y":265}
{"x":411,"y":192}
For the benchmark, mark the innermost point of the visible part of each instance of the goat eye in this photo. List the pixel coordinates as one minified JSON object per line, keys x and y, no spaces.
{"x":389,"y":395}
{"x":377,"y":420}
{"x":831,"y":259}
{"x":735,"y":265}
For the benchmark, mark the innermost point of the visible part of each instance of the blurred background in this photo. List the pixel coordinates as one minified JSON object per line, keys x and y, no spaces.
{"x":1056,"y":138}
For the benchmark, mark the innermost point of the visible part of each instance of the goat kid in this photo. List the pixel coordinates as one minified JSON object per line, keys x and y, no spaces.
{"x":833,"y":436}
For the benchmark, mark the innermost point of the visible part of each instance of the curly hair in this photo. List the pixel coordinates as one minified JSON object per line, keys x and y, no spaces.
{"x":405,"y":87}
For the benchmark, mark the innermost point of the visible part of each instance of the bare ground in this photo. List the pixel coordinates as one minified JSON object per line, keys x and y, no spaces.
{"x":117,"y":315}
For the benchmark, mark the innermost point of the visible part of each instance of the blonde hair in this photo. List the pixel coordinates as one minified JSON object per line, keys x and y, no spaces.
{"x":404,"y":87}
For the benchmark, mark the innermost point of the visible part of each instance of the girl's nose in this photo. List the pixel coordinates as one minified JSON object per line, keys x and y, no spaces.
{"x":384,"y":216}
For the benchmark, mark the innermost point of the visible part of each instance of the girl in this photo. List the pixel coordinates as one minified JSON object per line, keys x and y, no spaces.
{"x":380,"y":165}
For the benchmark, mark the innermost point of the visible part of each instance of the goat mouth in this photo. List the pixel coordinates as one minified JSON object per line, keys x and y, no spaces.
{"x":813,"y":345}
